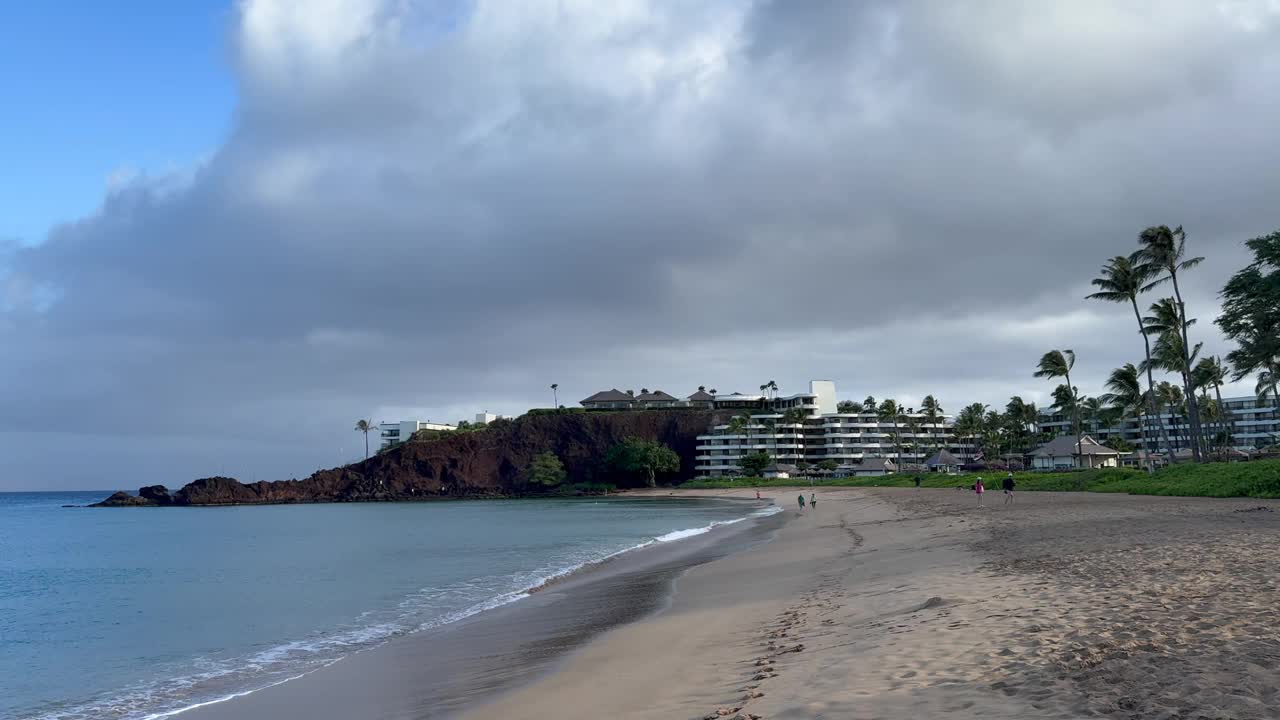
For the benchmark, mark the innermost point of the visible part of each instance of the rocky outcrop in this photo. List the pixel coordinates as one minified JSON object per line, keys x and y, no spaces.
{"x":486,"y":463}
{"x":123,"y":499}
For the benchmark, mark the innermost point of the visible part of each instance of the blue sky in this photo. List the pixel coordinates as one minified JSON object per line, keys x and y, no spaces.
{"x":87,"y":88}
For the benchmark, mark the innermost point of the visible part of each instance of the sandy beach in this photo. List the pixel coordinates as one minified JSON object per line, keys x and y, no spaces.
{"x":889,"y":603}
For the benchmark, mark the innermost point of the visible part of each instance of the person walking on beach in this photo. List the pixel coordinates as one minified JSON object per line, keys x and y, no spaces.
{"x":917,"y":482}
{"x":1008,"y":489}
{"x":977,"y":487}
{"x":813,"y":501}
{"x":801,"y":501}
{"x":757,"y":493}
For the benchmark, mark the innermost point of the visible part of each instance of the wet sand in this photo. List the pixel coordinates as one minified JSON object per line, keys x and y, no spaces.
{"x":894,"y":603}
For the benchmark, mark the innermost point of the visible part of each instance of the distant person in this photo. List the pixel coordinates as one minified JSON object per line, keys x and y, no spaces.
{"x":917,"y":482}
{"x":1008,"y":489}
{"x":801,"y":501}
{"x":758,"y":493}
{"x":977,"y":487}
{"x":813,"y":501}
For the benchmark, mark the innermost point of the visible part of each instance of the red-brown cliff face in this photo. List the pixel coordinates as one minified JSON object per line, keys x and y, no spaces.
{"x":491,"y":462}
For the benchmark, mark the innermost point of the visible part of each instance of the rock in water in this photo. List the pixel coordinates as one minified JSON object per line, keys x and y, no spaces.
{"x":124,"y":499}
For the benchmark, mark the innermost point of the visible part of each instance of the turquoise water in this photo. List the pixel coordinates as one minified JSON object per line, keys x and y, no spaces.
{"x":138,"y":612}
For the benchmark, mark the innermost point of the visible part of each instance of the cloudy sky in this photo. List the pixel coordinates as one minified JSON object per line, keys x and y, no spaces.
{"x":285,"y":216}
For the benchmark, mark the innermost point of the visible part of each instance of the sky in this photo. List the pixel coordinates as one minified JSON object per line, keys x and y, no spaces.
{"x":229,"y":230}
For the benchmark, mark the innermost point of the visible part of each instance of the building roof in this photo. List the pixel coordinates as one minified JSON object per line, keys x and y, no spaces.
{"x":942,"y":457}
{"x":614,"y":395}
{"x":655,"y":396}
{"x":1065,"y":445}
{"x":878,"y":463}
{"x":781,"y":467}
{"x":701,"y":396}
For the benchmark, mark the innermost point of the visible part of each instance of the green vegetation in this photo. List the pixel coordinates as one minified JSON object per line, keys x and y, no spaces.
{"x":546,"y":470}
{"x":1260,"y":479}
{"x":646,"y":457}
{"x":753,"y":464}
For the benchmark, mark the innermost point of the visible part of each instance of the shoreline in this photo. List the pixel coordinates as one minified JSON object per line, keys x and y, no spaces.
{"x":893,"y":603}
{"x":503,"y":646}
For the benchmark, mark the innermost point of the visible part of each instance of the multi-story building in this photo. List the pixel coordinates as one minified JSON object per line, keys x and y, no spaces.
{"x":1252,"y":423}
{"x":396,"y":432}
{"x":820,"y":433}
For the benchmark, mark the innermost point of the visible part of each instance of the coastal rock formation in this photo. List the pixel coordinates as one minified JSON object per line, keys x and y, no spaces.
{"x":486,"y":463}
{"x":123,"y":499}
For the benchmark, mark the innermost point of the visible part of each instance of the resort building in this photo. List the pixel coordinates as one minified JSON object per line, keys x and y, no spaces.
{"x":816,"y":433}
{"x":646,"y":399}
{"x":1252,"y":424}
{"x":391,"y":433}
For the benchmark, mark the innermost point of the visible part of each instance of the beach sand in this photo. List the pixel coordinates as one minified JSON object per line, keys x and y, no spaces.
{"x":901,"y":603}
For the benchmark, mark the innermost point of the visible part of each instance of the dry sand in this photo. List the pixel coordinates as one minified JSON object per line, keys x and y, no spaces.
{"x":894,"y":603}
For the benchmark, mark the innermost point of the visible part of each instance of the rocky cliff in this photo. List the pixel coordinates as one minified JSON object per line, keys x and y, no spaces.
{"x":486,"y":463}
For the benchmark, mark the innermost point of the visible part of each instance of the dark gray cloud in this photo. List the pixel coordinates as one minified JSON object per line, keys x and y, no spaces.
{"x":437,"y":213}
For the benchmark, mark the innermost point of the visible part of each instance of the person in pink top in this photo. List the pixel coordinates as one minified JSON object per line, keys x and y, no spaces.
{"x":977,"y":487}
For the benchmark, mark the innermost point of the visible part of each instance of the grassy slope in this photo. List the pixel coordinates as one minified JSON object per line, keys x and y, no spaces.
{"x":1249,"y":479}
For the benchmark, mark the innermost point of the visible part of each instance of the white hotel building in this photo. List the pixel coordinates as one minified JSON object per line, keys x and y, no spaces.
{"x":1253,"y":423}
{"x":824,"y":434}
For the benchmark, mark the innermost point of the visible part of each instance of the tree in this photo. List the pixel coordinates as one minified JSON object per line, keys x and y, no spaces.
{"x":555,"y":395}
{"x":1121,"y":280}
{"x":646,"y":457}
{"x":1166,"y":249}
{"x":931,"y":409}
{"x":1170,"y":354}
{"x":969,"y":425}
{"x":1119,"y":444}
{"x":1251,"y":316}
{"x":869,"y":405}
{"x":890,"y":410}
{"x":1058,"y":364}
{"x":546,"y":470}
{"x":828,"y":465}
{"x":849,"y":406}
{"x":364,"y":426}
{"x":1124,"y":393}
{"x":753,"y":464}
{"x":1211,"y":372}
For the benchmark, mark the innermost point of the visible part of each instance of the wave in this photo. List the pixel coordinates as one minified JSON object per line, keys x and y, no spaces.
{"x":220,"y":680}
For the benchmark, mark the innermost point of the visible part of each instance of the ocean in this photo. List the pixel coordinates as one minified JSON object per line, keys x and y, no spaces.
{"x":134,"y":613}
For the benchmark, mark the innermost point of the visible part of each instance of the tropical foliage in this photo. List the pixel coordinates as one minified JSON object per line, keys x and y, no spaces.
{"x":546,"y":470}
{"x":643,"y":457}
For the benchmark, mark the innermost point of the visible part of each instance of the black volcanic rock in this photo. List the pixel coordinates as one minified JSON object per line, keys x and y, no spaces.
{"x":157,"y":494}
{"x":485,"y":463}
{"x":124,"y":499}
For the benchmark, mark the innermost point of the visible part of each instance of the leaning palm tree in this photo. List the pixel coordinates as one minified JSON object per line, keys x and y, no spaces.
{"x":1166,"y":249}
{"x":1092,"y":409}
{"x":1124,"y":393}
{"x":364,"y":426}
{"x":1121,"y":280}
{"x":1058,"y":364}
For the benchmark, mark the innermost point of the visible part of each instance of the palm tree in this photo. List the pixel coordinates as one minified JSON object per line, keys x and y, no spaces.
{"x":1058,"y":364}
{"x":1166,"y":249}
{"x":969,"y":424}
{"x":1170,"y":397}
{"x":1124,"y":393}
{"x":1092,"y":409}
{"x":889,"y":410}
{"x":555,"y":395}
{"x":773,"y":388}
{"x":1122,"y":279}
{"x":931,"y":409}
{"x":1170,"y":354}
{"x":364,"y":426}
{"x":1212,"y":372}
{"x":869,"y":405}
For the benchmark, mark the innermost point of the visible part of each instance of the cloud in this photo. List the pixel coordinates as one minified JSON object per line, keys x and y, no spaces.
{"x":446,"y":208}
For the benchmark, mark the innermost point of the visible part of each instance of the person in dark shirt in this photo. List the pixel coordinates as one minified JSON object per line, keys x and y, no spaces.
{"x":1008,"y":488}
{"x":917,"y":482}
